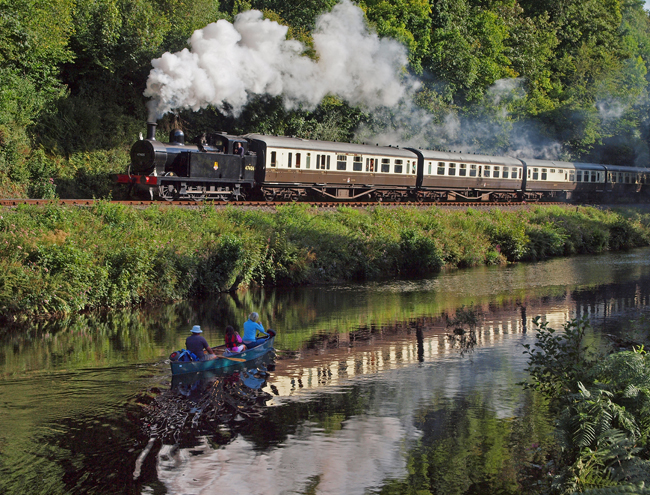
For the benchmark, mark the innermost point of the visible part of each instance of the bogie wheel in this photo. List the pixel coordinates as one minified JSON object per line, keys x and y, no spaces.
{"x":269,"y":196}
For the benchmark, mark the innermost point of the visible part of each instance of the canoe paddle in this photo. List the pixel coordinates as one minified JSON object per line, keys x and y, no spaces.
{"x":232,"y":359}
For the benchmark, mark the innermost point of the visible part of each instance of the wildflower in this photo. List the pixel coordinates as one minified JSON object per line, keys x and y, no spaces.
{"x":19,"y":247}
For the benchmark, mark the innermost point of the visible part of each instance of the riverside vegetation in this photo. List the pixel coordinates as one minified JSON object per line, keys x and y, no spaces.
{"x":57,"y":259}
{"x":601,"y":405}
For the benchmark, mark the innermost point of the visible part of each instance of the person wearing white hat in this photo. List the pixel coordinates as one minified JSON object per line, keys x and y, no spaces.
{"x":196,"y":343}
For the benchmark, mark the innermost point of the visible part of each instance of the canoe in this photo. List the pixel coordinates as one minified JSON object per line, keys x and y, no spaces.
{"x":199,"y":380}
{"x":222,"y":361}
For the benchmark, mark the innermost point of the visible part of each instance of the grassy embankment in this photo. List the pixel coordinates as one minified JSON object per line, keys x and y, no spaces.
{"x":56,"y":259}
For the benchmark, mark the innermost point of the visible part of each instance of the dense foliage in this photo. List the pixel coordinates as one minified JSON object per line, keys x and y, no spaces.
{"x":602,"y":406}
{"x":571,"y":75}
{"x":55,"y":259}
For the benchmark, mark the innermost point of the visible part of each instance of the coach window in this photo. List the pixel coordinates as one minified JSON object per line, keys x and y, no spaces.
{"x":572,"y":176}
{"x":297,"y":160}
{"x":413,"y":167}
{"x":579,"y":176}
{"x":462,"y":169}
{"x":367,"y":164}
{"x":535,"y":173}
{"x":385,"y":164}
{"x":452,"y":169}
{"x":595,"y":176}
{"x":429,"y":173}
{"x":506,"y":173}
{"x":486,"y":172}
{"x":341,"y":162}
{"x":441,"y":168}
{"x":544,"y":174}
{"x":472,"y":170}
{"x":308,"y":160}
{"x":328,"y":162}
{"x":497,"y":171}
{"x":274,"y":155}
{"x":372,"y":165}
{"x":398,"y":166}
{"x":289,"y":162}
{"x":357,"y":164}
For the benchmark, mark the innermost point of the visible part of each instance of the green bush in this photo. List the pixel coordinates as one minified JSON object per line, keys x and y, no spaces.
{"x":57,"y":259}
{"x":544,"y":241}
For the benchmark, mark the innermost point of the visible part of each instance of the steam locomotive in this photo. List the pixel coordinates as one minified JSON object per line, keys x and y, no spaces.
{"x":225,"y":167}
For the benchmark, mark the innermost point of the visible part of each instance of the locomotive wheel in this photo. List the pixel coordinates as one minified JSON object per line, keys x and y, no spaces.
{"x":168,"y":193}
{"x":269,"y":195}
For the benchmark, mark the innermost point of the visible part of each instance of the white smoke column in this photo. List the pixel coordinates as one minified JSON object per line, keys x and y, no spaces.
{"x":228,"y":63}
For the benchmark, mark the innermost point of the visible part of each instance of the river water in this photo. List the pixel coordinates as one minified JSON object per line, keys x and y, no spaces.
{"x":365,"y":392}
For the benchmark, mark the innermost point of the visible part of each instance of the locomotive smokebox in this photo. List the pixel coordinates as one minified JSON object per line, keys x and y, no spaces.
{"x":151,"y":130}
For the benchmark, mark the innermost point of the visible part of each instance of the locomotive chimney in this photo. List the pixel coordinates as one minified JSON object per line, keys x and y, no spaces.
{"x":151,"y":130}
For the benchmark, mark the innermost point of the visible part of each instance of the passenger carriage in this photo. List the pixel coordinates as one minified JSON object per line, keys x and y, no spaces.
{"x":626,"y":182}
{"x":292,"y":168}
{"x":462,"y":176}
{"x":549,"y":179}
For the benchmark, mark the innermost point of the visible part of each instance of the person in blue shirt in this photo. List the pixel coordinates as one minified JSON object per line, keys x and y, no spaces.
{"x":251,"y":327}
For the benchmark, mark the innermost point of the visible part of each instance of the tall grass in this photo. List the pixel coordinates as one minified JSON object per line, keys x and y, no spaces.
{"x":57,"y":259}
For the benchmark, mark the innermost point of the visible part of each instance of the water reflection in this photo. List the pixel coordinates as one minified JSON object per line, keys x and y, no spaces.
{"x":367,"y":392}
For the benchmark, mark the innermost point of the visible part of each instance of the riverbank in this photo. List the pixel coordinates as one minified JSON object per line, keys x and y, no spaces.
{"x":56,"y":260}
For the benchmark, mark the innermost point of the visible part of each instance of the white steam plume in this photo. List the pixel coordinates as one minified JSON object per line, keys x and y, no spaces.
{"x":228,"y":63}
{"x":490,"y":129}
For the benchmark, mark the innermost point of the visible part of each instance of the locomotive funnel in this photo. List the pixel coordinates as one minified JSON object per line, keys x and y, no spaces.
{"x":151,"y":130}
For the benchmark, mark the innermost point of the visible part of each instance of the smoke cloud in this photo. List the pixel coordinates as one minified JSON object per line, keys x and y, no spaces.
{"x":228,"y":63}
{"x":489,"y":128}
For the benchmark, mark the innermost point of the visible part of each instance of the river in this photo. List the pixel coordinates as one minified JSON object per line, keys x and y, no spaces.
{"x":365,"y":392}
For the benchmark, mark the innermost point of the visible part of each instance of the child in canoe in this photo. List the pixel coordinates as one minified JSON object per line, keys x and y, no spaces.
{"x":234,"y":341}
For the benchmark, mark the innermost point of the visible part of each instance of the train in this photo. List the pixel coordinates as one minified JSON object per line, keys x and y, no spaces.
{"x":223,"y":167}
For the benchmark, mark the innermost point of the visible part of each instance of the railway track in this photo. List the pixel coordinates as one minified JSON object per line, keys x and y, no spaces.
{"x":260,"y":204}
